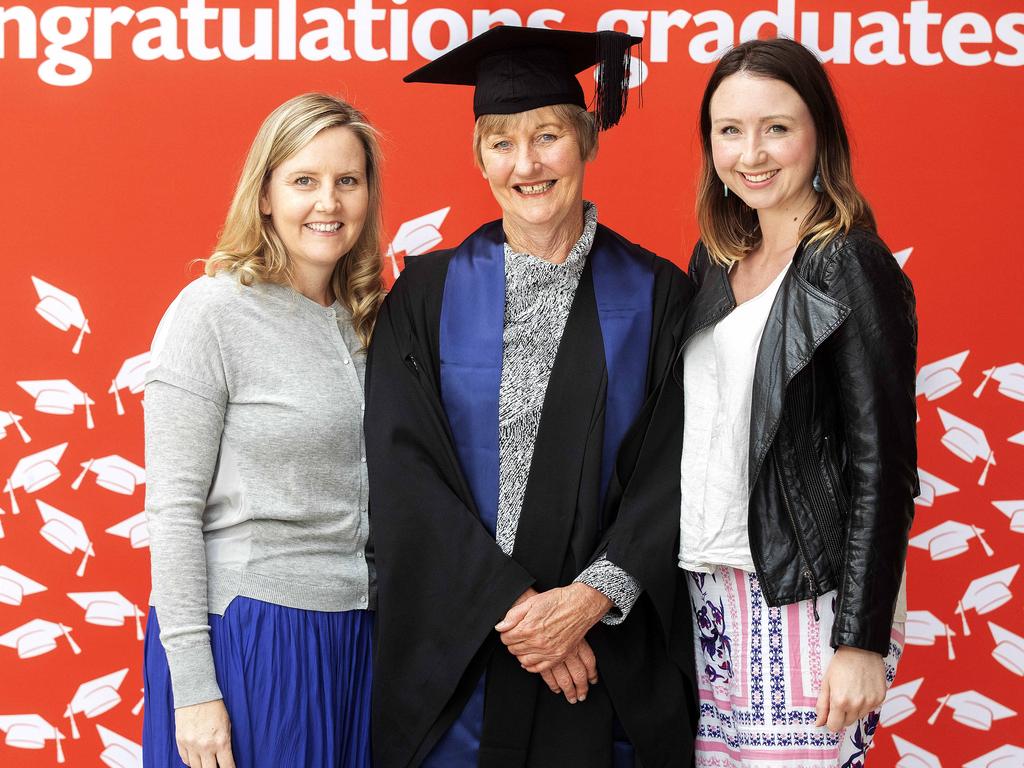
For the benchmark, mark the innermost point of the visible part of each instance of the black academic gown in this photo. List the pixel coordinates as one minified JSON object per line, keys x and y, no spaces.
{"x":444,"y":582}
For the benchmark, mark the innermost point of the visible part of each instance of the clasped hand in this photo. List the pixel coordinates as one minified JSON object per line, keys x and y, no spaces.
{"x":545,"y":632}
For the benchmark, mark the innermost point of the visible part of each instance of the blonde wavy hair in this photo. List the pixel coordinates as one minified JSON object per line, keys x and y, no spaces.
{"x":250,"y":248}
{"x":728,"y":227}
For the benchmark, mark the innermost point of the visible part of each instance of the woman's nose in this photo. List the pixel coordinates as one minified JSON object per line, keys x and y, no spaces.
{"x":526,"y":160}
{"x":327,"y":199}
{"x":753,"y":150}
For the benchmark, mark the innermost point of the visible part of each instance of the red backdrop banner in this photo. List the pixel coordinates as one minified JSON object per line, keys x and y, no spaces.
{"x":122,"y":133}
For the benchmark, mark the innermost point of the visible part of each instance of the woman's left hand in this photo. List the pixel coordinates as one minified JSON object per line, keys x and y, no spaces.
{"x":854,"y":686}
{"x":544,"y":629}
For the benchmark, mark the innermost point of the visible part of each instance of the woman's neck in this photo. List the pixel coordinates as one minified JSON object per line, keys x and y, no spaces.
{"x":552,"y":244}
{"x":314,"y":284}
{"x":780,"y":227}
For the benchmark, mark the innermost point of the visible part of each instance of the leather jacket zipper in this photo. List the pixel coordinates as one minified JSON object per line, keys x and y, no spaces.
{"x":833,"y":476}
{"x":807,"y":574}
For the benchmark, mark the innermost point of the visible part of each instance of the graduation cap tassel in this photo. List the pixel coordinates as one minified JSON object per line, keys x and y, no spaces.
{"x":60,"y":750}
{"x":935,"y":714}
{"x":984,"y":544}
{"x":988,"y":463}
{"x":1,"y":526}
{"x":15,"y":510}
{"x":78,"y":342}
{"x":963,"y":617}
{"x":81,"y":566}
{"x":25,"y":437}
{"x":612,"y":91}
{"x":78,"y":480}
{"x":138,"y":705}
{"x":66,"y":631}
{"x":950,"y":653}
{"x":89,"y":423}
{"x":70,"y":714}
{"x":117,"y":398}
{"x":139,"y":635}
{"x":981,"y":387}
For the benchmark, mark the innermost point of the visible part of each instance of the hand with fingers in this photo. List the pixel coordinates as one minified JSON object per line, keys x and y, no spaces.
{"x":545,"y":631}
{"x":203,"y":735}
{"x":854,"y":686}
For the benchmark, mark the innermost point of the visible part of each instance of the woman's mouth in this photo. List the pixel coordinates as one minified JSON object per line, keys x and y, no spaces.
{"x":323,"y":227}
{"x":759,"y":179}
{"x":531,"y":190}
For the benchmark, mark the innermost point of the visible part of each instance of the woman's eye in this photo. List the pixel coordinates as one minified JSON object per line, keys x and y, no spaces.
{"x":303,"y":181}
{"x":547,"y":138}
{"x":348,"y":181}
{"x":777,"y":129}
{"x":502,"y":145}
{"x":730,"y":130}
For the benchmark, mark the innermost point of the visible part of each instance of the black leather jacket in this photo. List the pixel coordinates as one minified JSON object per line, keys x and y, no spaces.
{"x":833,"y":455}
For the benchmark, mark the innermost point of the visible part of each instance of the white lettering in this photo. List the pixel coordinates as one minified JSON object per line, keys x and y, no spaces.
{"x":286,"y":35}
{"x":484,"y":20}
{"x":540,"y":18}
{"x":332,"y":35}
{"x":195,"y":15}
{"x":262,"y":48}
{"x":160,"y":42}
{"x":458,"y":33}
{"x":399,"y":33}
{"x":56,"y":54}
{"x":103,"y":20}
{"x":784,"y":21}
{"x":635,"y":21}
{"x":363,"y":15}
{"x":955,"y":35}
{"x":719,"y":38}
{"x":26,"y":22}
{"x":1007,"y":31}
{"x":842,"y":25}
{"x":919,"y":19}
{"x":887,"y":38}
{"x":661,"y":23}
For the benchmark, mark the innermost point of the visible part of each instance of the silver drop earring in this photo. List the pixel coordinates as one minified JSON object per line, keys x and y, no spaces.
{"x":726,"y":187}
{"x":816,"y":184}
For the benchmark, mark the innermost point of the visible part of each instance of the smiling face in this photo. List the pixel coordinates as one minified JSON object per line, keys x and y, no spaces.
{"x":763,"y":143}
{"x":535,"y":170}
{"x":318,"y":198}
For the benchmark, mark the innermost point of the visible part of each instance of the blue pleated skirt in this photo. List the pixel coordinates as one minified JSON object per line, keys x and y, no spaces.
{"x":296,"y":685}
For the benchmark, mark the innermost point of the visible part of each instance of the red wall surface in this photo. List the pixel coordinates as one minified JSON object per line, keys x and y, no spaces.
{"x":119,"y":149}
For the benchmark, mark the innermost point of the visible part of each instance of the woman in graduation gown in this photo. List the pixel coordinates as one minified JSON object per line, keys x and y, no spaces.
{"x":503,"y":375}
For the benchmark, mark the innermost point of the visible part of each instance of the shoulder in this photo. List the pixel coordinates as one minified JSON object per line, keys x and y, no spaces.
{"x":858,"y":259}
{"x":423,"y":277}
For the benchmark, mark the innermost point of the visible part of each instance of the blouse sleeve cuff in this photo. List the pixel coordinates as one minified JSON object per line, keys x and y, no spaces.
{"x":615,"y":584}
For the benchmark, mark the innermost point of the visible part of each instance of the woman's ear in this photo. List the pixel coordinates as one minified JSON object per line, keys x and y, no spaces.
{"x":264,"y":201}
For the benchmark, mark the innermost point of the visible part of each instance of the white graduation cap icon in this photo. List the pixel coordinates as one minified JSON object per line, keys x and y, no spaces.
{"x":66,"y":533}
{"x":899,"y":702}
{"x":59,"y":397}
{"x":924,"y":627}
{"x":131,"y":376}
{"x":114,"y":473}
{"x":973,"y":709}
{"x":134,"y":529}
{"x":941,"y":377}
{"x":30,"y":732}
{"x":95,"y":697}
{"x":1013,"y":510}
{"x":14,"y":586}
{"x":912,"y":756}
{"x":118,"y":752}
{"x":931,"y":487}
{"x":949,"y":539}
{"x":34,"y":472}
{"x":1007,"y":756}
{"x":37,"y":637}
{"x":1010,"y":378}
{"x":12,"y":419}
{"x":109,"y":609}
{"x":966,"y":441}
{"x":987,"y":593}
{"x":903,"y":256}
{"x":1017,"y":439}
{"x":417,"y":236}
{"x":1009,"y":650}
{"x":61,"y":310}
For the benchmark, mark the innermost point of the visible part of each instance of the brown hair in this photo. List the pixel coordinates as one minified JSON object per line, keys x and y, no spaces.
{"x":583,"y":123}
{"x":729,"y":228}
{"x":249,"y":247}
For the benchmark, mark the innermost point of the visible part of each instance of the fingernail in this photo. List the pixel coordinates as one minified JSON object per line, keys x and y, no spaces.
{"x":572,"y":701}
{"x":593,"y":682}
{"x":583,"y":698}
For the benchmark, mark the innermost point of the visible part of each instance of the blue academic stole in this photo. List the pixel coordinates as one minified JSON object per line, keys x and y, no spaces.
{"x":471,"y":343}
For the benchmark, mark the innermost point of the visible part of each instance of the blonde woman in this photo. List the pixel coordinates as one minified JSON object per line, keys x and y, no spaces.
{"x":258,"y":645}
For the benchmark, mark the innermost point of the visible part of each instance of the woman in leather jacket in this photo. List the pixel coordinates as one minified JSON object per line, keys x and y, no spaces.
{"x":794,"y":382}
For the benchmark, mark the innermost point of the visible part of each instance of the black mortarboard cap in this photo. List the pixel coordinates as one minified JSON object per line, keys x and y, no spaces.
{"x":516,"y":69}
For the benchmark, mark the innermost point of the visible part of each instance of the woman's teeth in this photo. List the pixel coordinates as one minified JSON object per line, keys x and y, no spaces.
{"x":317,"y":226}
{"x":756,"y":177}
{"x":535,"y":189}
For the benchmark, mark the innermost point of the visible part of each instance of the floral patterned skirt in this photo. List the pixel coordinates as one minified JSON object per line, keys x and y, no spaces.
{"x":759,"y":673}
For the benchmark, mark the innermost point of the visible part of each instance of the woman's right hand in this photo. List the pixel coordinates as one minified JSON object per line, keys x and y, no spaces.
{"x":203,"y":734}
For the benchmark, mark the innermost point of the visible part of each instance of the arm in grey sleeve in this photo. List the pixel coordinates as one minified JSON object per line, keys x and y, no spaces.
{"x":183,"y":433}
{"x":615,"y":584}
